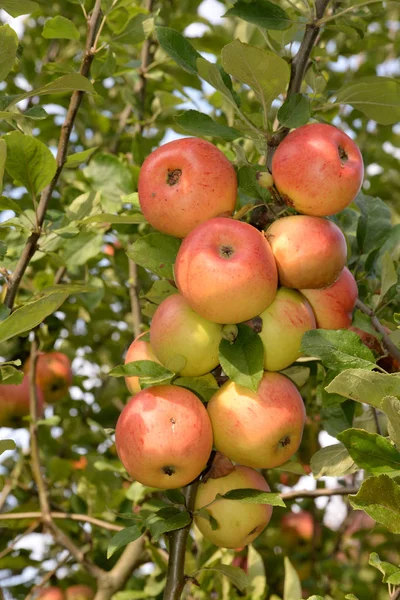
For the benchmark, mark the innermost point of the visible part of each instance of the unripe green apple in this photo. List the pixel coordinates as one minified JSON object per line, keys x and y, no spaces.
{"x":138,"y":350}
{"x":14,"y":402}
{"x":310,"y":252}
{"x":334,"y":305}
{"x":260,"y":429}
{"x":53,"y":375}
{"x":164,"y":437}
{"x":182,"y":340}
{"x":226,"y":271}
{"x":284,"y":323}
{"x":238,"y":523}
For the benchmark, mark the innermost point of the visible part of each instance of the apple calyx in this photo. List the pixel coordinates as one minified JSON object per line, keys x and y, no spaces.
{"x":344,"y":157}
{"x":221,"y":466}
{"x":174,"y":176}
{"x":285,"y":441}
{"x":226,"y":251}
{"x":230,"y":333}
{"x":168,"y":470}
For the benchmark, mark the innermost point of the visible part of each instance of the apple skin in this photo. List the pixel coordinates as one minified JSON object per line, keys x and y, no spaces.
{"x":53,"y":375}
{"x":164,"y":437}
{"x":14,"y":403}
{"x":184,"y":183}
{"x":182,"y":340}
{"x":239,"y":523}
{"x":51,"y":593}
{"x":138,"y":350}
{"x":334,"y":305}
{"x":318,"y":169}
{"x":310,"y":252}
{"x":260,"y":429}
{"x":300,"y":525}
{"x":226,"y":271}
{"x":284,"y":323}
{"x":79,"y":592}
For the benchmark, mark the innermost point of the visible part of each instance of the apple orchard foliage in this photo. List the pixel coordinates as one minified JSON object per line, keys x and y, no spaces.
{"x":93,"y":223}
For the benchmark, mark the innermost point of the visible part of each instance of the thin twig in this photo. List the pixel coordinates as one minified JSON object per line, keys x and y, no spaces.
{"x":57,"y":515}
{"x":319,"y":493}
{"x":377,"y":325}
{"x":15,"y":541}
{"x":133,"y":294}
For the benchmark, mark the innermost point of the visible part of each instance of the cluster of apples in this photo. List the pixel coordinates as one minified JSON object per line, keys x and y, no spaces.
{"x":53,"y":378}
{"x":73,"y":592}
{"x":292,"y":277}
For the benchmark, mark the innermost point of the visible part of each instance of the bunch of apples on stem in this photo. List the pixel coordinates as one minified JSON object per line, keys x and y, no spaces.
{"x":292,"y":277}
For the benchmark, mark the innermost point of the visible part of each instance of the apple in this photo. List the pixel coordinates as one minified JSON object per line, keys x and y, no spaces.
{"x":284,"y":323}
{"x":138,"y":350}
{"x":51,"y":593}
{"x":260,"y":429}
{"x":164,"y":437}
{"x":318,"y":169}
{"x":369,"y":340}
{"x":334,"y":305}
{"x":53,"y":375}
{"x":310,"y":252}
{"x":226,"y":271}
{"x":14,"y":402}
{"x":298,"y":525}
{"x":79,"y":592}
{"x":184,"y":183}
{"x":182,"y":340}
{"x":238,"y":523}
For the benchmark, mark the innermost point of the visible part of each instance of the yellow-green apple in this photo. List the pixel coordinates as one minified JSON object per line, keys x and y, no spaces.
{"x":53,"y":375}
{"x":298,"y":525}
{"x":51,"y":593}
{"x":238,"y":523}
{"x":14,"y":402}
{"x":334,"y":305}
{"x":138,"y":350}
{"x":260,"y":429}
{"x":310,"y":252}
{"x":184,"y":183}
{"x":318,"y":169}
{"x":226,"y":271}
{"x":164,"y":437}
{"x":182,"y":340}
{"x":79,"y":592}
{"x":284,"y":323}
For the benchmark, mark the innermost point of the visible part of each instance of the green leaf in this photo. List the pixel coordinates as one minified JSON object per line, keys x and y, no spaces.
{"x":214,"y":76}
{"x":266,"y":73}
{"x":30,"y":315}
{"x":60,"y":28}
{"x":386,"y":568}
{"x":29,"y":161}
{"x":81,"y":248}
{"x":332,"y":461}
{"x":8,"y":50}
{"x":389,"y":274}
{"x":295,"y":111}
{"x":243,"y":361}
{"x":178,"y":48}
{"x":123,"y":538}
{"x":74,"y":160}
{"x":377,"y":97}
{"x":375,"y":223}
{"x":379,"y":497}
{"x":168,"y":519}
{"x":234,"y":574}
{"x":147,"y":370}
{"x":204,"y":386}
{"x":260,"y":12}
{"x":15,"y":8}
{"x":363,"y":386}
{"x":156,"y":252}
{"x":110,"y":176}
{"x":391,"y":406}
{"x":10,"y":375}
{"x":114,"y":219}
{"x":3,"y":158}
{"x":371,"y":451}
{"x":292,"y":584}
{"x":37,"y":113}
{"x":61,"y":85}
{"x":314,"y":597}
{"x":252,"y":496}
{"x":7,"y":445}
{"x":256,"y":574}
{"x":340,"y":349}
{"x":202,"y":125}
{"x":160,"y":290}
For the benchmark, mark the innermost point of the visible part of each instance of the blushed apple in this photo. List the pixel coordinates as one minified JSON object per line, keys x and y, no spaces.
{"x":184,"y":183}
{"x":260,"y":429}
{"x":298,"y":525}
{"x":182,"y":340}
{"x":334,"y":305}
{"x":14,"y":402}
{"x":226,"y":271}
{"x":310,"y":252}
{"x":53,"y":375}
{"x":318,"y":169}
{"x":79,"y":592}
{"x":51,"y":593}
{"x":284,"y":323}
{"x":164,"y":437}
{"x":138,"y":350}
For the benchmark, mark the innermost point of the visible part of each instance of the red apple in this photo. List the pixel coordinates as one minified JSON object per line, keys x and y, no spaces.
{"x":182,"y":340}
{"x":260,"y":429}
{"x":14,"y":402}
{"x":334,"y":305}
{"x":299,"y":525}
{"x":51,"y":593}
{"x":226,"y":271}
{"x":318,"y":169}
{"x":53,"y":375}
{"x":185,"y":183}
{"x":138,"y":350}
{"x":310,"y":252}
{"x":164,"y":437}
{"x":79,"y":592}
